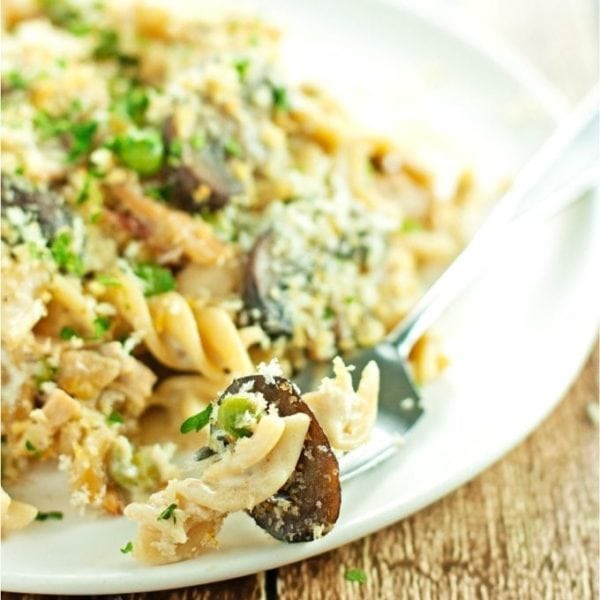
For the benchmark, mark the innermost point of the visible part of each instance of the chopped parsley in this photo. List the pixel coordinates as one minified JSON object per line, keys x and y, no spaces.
{"x":95,"y":218}
{"x":68,"y":333}
{"x":80,"y":133}
{"x":127,"y":548}
{"x":410,"y":224}
{"x":241,"y":66}
{"x":155,"y":279}
{"x":175,"y":152}
{"x":162,"y":193}
{"x":280,"y":97}
{"x":114,"y":417}
{"x":49,"y":126}
{"x":82,"y":139}
{"x":101,"y":326}
{"x":197,"y":422}
{"x":46,"y":516}
{"x":44,"y":372}
{"x":198,"y":141}
{"x":16,"y":81}
{"x":108,"y":281}
{"x":32,"y":449}
{"x":64,"y":13}
{"x":356,"y":575}
{"x":108,"y":45}
{"x":232,"y":148}
{"x":168,"y":513}
{"x":88,"y":189}
{"x":328,"y":313}
{"x":84,"y":192}
{"x":136,"y":104}
{"x":133,"y":103}
{"x":64,"y":256}
{"x":141,"y":150}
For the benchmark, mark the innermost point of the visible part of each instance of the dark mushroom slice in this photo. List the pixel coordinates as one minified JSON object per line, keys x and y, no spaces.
{"x":46,"y":207}
{"x":308,"y":505}
{"x":199,"y":180}
{"x":260,"y":283}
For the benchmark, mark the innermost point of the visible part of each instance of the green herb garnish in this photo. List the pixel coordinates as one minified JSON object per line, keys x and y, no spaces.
{"x":108,"y":44}
{"x":115,"y":417}
{"x":82,"y":136}
{"x":64,"y":13}
{"x":136,"y":104}
{"x":410,"y":224}
{"x":45,"y":516}
{"x":280,"y":97}
{"x":81,"y":133}
{"x":141,"y":150}
{"x":168,"y":513}
{"x":44,"y":372}
{"x":328,"y":313}
{"x":68,"y":333}
{"x":356,"y":575}
{"x":198,"y":141}
{"x":155,"y":279}
{"x":84,"y":192}
{"x":109,"y":47}
{"x":64,"y":256}
{"x":31,"y":448}
{"x":162,"y":193}
{"x":175,"y":152}
{"x":108,"y":281}
{"x":16,"y":81}
{"x":197,"y":422}
{"x":49,"y":126}
{"x":232,"y":148}
{"x":101,"y":326}
{"x":241,"y":66}
{"x":127,"y":548}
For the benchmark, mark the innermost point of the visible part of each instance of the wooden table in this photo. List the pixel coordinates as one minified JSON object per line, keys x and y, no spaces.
{"x":528,"y":526}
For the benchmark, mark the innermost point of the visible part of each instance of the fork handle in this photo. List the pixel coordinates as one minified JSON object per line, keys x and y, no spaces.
{"x":571,"y":146}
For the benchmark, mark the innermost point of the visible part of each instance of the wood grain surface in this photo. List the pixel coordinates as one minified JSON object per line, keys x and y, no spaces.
{"x":528,"y":526}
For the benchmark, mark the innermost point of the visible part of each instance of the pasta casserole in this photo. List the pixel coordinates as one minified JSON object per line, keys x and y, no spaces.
{"x":182,"y":229}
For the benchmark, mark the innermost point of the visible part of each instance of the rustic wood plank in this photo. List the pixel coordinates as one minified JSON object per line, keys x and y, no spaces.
{"x":243,"y":588}
{"x":526,"y":528}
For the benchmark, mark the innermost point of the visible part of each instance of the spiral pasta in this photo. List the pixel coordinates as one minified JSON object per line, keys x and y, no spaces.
{"x":199,"y":339}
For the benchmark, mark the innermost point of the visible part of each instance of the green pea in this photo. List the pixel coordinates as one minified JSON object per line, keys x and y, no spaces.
{"x":141,"y":150}
{"x":232,"y":411}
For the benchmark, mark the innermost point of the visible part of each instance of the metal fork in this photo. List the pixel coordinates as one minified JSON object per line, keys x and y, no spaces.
{"x":573,"y":146}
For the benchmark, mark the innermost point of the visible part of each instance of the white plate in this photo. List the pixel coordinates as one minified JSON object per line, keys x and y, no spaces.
{"x":517,"y":338}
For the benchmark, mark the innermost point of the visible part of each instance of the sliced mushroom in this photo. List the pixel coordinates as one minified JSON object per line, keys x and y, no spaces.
{"x":201,"y":181}
{"x":260,"y":286}
{"x":308,"y":505}
{"x":46,"y":207}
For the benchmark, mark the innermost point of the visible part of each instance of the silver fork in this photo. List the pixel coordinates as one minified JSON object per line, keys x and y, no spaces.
{"x":533,"y":196}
